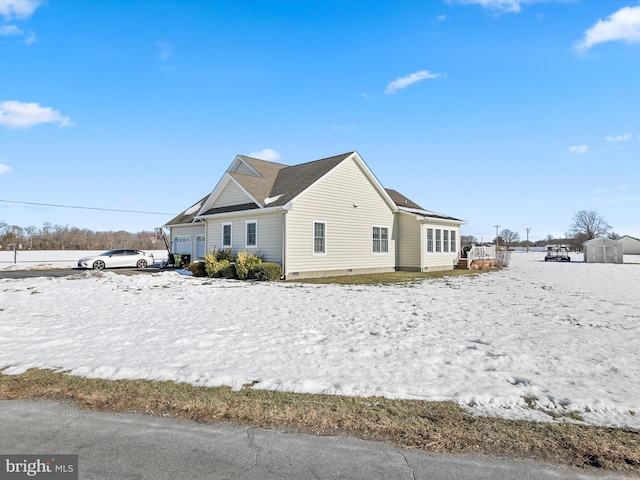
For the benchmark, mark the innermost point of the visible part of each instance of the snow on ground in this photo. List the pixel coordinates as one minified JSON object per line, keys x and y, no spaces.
{"x":536,"y":341}
{"x":46,"y":259}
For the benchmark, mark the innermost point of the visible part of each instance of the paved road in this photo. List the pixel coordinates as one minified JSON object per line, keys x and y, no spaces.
{"x":71,"y":271}
{"x":127,"y":447}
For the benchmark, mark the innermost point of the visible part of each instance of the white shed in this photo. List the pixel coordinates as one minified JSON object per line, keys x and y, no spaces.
{"x":631,"y":245}
{"x":603,"y":250}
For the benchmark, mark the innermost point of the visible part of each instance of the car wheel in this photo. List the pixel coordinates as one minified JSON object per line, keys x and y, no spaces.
{"x":98,"y":265}
{"x":141,"y":264}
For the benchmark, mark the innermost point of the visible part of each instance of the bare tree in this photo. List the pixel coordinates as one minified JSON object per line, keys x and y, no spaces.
{"x":508,"y":237}
{"x":589,"y":224}
{"x":467,"y":240}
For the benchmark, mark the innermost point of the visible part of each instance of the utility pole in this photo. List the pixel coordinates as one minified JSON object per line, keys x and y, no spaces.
{"x":527,"y":229}
{"x":497,"y":240}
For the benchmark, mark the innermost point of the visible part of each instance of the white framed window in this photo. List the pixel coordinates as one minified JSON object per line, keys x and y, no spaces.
{"x":226,"y":235}
{"x":319,"y":238}
{"x":251,"y":233}
{"x":429,"y":240}
{"x":445,"y":240}
{"x":453,"y":242}
{"x":438,"y":240}
{"x":380,"y":240}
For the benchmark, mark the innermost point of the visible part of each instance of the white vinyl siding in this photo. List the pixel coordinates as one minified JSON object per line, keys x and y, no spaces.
{"x":350,"y":204}
{"x":231,"y":194}
{"x":408,"y":245}
{"x":268,"y":234}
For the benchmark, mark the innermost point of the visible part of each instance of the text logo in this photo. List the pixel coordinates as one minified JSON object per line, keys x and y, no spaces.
{"x":46,"y":467}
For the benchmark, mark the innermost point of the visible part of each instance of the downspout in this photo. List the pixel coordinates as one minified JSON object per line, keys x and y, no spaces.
{"x":422,"y":244}
{"x":284,"y":244}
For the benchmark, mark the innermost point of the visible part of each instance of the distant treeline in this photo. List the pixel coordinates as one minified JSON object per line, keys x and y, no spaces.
{"x":59,"y":237}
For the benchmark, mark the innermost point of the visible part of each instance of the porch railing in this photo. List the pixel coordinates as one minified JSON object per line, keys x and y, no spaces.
{"x":480,"y":253}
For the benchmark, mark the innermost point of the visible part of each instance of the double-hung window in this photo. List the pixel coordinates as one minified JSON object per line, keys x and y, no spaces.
{"x":226,"y":235}
{"x":445,"y":240}
{"x":429,"y":240}
{"x":251,"y":233}
{"x":453,"y":241}
{"x":319,"y":237}
{"x":438,"y":240}
{"x":380,"y":240}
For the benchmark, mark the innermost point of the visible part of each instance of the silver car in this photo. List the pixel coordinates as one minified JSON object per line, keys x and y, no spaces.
{"x":117,"y":258}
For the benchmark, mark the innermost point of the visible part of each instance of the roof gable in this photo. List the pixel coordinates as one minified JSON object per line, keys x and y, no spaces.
{"x":292,"y":181}
{"x":251,"y":183}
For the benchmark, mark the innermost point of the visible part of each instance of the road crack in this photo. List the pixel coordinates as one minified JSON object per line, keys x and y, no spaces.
{"x":406,"y":462}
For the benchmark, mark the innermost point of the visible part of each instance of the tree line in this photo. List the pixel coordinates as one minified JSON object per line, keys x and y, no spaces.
{"x":64,"y":237}
{"x":586,"y":225}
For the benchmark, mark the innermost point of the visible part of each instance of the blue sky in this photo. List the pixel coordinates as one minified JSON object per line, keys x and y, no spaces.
{"x":500,"y":112}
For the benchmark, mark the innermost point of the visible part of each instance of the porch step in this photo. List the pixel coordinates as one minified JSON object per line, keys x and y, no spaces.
{"x":461,"y":265}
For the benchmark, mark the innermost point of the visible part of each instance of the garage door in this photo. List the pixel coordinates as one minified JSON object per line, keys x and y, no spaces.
{"x":200,"y":246}
{"x":182,"y":245}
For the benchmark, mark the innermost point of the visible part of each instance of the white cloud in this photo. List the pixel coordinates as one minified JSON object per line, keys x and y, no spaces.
{"x":266,"y":154}
{"x":14,"y":114}
{"x":17,"y":10}
{"x":31,"y":38}
{"x":622,"y":25}
{"x":599,"y":191}
{"x":441,"y":18}
{"x":619,"y":138}
{"x":165,"y":50}
{"x":499,"y":5}
{"x":4,"y":169}
{"x":404,"y":82}
{"x":579,"y":149}
{"x":10,"y":9}
{"x":7,"y":30}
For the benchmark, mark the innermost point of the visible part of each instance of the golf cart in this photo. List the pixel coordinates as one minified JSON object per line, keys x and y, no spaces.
{"x":557,"y":253}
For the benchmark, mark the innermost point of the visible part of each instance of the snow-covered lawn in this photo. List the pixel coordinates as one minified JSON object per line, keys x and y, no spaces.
{"x":533,"y":338}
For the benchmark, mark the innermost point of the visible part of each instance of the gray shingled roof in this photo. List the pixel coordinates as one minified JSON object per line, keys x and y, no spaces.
{"x":189,"y":214}
{"x":281,"y":183}
{"x":400,"y":200}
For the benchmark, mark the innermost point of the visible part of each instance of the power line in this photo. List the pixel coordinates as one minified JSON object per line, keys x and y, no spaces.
{"x":85,"y":208}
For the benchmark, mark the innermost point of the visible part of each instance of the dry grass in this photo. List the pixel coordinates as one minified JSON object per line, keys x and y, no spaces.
{"x":431,"y":426}
{"x":389,"y":277}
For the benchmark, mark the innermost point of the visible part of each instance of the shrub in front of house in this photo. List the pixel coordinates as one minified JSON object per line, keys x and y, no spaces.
{"x":197,"y":269}
{"x":229,"y":271}
{"x":223,"y":254}
{"x":214,"y":267}
{"x":245,"y":261}
{"x":266,"y":272}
